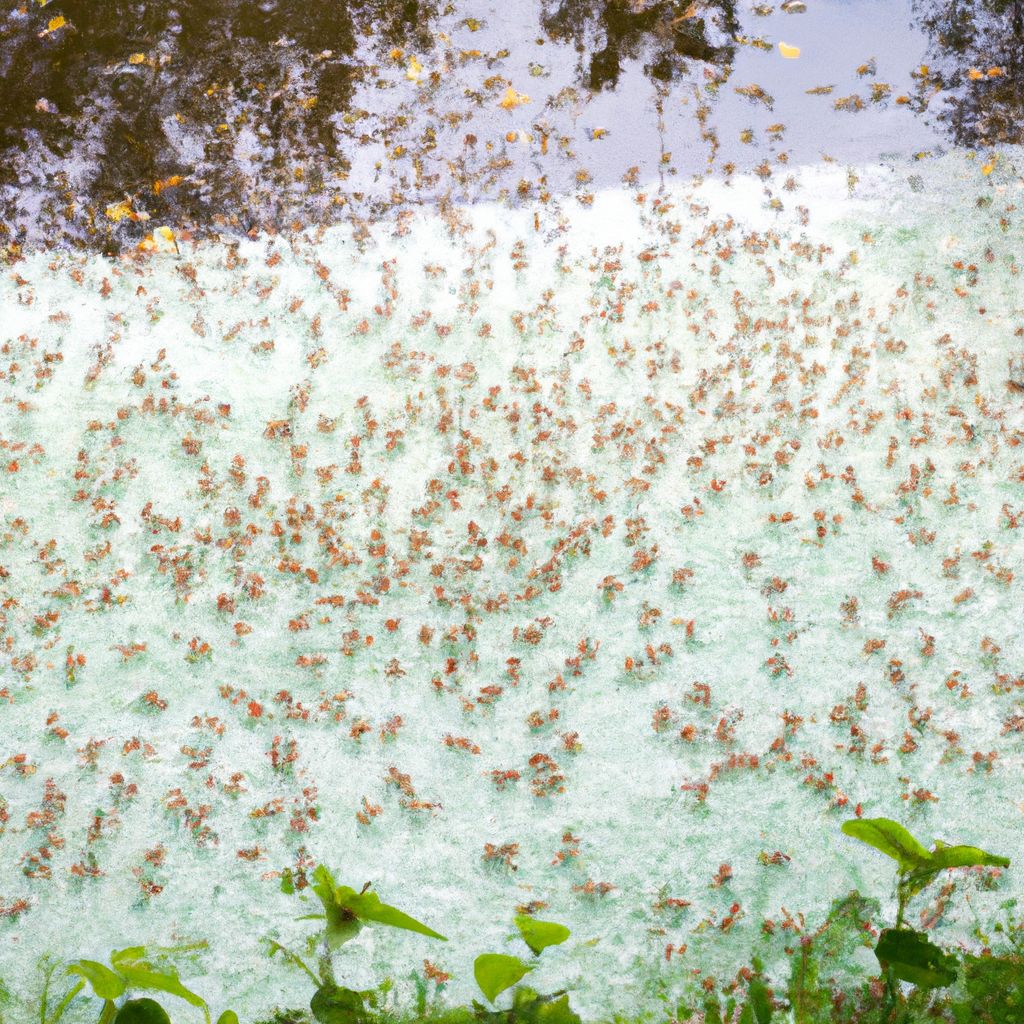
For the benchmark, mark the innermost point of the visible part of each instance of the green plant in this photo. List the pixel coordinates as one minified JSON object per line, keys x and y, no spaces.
{"x":130,"y":969}
{"x":906,"y":954}
{"x":345,"y":913}
{"x":824,"y":954}
{"x":497,"y":972}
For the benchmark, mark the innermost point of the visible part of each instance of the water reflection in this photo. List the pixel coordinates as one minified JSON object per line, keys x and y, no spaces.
{"x":251,"y":115}
{"x":977,"y":48}
{"x":666,"y":34}
{"x":104,"y":101}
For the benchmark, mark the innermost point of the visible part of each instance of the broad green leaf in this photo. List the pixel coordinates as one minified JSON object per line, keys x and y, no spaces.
{"x":332,"y":1004}
{"x":228,"y":1017}
{"x":137,"y":973}
{"x":342,"y":922}
{"x":130,"y":954}
{"x":556,"y":1011}
{"x":142,"y":1011}
{"x":287,"y":884}
{"x":104,"y":982}
{"x":368,"y":907}
{"x":944,"y":856}
{"x":913,"y":958}
{"x":495,"y":972}
{"x":325,"y":887}
{"x":891,"y":838}
{"x":539,"y":935}
{"x":524,"y":997}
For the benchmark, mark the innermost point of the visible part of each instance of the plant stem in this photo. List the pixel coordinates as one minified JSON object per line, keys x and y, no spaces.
{"x":49,"y":969}
{"x":297,"y":960}
{"x":64,"y":1003}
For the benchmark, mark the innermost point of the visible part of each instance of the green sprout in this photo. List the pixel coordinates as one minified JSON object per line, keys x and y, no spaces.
{"x":345,"y":913}
{"x":906,"y":954}
{"x":129,"y":970}
{"x":497,"y":972}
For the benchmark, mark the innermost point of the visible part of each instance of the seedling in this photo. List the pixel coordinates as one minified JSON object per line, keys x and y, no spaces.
{"x":906,"y":954}
{"x":129,"y":970}
{"x":497,"y":972}
{"x":345,"y":913}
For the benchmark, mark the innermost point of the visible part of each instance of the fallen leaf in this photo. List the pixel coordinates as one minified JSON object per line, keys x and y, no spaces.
{"x":137,"y":58}
{"x":512,"y":99}
{"x":789,"y":52}
{"x":54,"y":25}
{"x":755,"y":92}
{"x":161,"y":240}
{"x":414,"y":71}
{"x":121,"y":211}
{"x":171,"y":182}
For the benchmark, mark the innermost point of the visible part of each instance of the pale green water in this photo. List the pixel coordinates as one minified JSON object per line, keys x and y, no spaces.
{"x":241,"y":446}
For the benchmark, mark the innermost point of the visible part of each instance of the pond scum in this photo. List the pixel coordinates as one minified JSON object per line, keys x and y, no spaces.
{"x":589,"y":563}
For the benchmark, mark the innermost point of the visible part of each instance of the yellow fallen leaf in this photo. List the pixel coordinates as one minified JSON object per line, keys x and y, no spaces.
{"x":54,"y":25}
{"x":789,"y":52}
{"x":161,"y":240}
{"x":397,"y":54}
{"x":988,"y":168}
{"x":512,"y":99}
{"x":171,"y":182}
{"x":120,"y":211}
{"x":994,"y":72}
{"x":974,"y":74}
{"x":598,"y":133}
{"x":137,"y":58}
{"x":414,"y":71}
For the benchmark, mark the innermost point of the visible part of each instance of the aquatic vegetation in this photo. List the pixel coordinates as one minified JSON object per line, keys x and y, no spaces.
{"x":345,"y":913}
{"x":907,"y":954}
{"x":825,"y":985}
{"x":495,"y":973}
{"x":132,"y":969}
